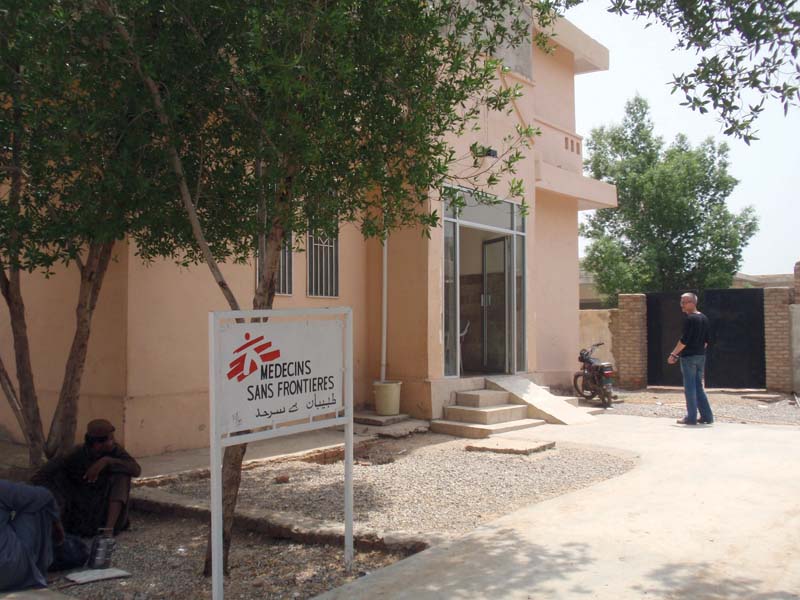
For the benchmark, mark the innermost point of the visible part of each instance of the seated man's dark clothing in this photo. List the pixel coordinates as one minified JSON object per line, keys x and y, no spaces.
{"x":28,"y":515}
{"x":87,"y":481}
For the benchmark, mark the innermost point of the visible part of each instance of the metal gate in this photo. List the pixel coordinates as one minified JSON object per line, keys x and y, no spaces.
{"x":735,"y":358}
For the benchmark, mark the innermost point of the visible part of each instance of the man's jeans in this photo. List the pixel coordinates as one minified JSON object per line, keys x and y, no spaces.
{"x":696,"y":399}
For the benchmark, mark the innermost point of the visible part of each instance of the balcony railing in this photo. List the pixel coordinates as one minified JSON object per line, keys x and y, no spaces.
{"x":559,"y":147}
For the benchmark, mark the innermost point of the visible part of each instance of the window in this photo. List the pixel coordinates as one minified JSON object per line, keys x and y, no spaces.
{"x":283,"y":281}
{"x":323,"y":266}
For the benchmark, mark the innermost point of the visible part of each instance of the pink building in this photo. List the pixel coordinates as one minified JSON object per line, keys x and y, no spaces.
{"x":513,"y":280}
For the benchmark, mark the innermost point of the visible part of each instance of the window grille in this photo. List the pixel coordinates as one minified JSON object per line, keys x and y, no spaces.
{"x":323,"y":266}
{"x":284,"y":283}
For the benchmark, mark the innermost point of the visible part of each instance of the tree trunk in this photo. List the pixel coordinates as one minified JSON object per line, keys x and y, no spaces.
{"x":268,"y":256}
{"x":232,"y":460}
{"x":11,"y":289}
{"x":61,"y":438}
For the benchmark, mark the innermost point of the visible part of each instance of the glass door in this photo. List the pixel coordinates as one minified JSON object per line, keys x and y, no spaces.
{"x":494,"y":303}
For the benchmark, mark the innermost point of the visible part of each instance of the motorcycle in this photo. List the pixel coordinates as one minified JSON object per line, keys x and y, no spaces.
{"x":595,"y":377}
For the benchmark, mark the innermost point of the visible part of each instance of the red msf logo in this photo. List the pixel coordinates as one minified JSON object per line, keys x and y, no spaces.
{"x":250,"y":354}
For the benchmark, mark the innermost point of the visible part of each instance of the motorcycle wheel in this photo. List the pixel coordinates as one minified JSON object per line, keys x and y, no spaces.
{"x":577,"y":383}
{"x":606,"y":396}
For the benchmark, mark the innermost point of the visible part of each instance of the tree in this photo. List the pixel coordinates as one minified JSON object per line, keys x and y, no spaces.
{"x":282,"y":117}
{"x":747,"y":54}
{"x":69,"y":188}
{"x":672,"y":229}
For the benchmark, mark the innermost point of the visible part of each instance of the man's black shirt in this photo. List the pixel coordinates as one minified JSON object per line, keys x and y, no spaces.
{"x":695,"y":334}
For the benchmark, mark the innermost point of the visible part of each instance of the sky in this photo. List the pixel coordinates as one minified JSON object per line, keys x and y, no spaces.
{"x":643,"y":61}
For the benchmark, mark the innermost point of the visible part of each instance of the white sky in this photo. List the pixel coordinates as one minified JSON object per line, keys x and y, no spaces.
{"x":643,"y":60}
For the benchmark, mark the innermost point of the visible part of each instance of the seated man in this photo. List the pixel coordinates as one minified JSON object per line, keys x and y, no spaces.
{"x":92,"y":482}
{"x":28,"y":526}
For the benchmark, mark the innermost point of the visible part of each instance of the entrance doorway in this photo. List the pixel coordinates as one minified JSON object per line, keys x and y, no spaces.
{"x":483,"y":301}
{"x":484,"y":283}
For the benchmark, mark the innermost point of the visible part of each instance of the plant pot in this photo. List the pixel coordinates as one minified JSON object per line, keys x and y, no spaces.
{"x":387,"y":397}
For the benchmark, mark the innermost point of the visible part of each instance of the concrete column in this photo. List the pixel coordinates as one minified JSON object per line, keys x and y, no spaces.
{"x":629,"y":331}
{"x":777,"y":338}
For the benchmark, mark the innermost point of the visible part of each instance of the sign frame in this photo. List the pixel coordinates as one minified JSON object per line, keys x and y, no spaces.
{"x":219,"y":442}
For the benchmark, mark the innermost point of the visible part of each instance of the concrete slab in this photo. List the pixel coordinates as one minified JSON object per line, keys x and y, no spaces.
{"x":478,"y":430}
{"x":35,"y":595}
{"x":764,"y":397}
{"x":504,"y":446}
{"x":541,"y":403}
{"x":370,"y":417}
{"x":402,"y":429}
{"x":709,"y":512}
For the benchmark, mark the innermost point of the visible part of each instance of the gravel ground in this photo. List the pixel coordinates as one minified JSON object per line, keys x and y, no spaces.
{"x":425,"y":484}
{"x":728,"y":407}
{"x":165,"y":557}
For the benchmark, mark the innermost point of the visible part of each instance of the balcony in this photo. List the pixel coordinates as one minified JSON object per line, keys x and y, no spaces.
{"x":559,"y":169}
{"x":559,"y":147}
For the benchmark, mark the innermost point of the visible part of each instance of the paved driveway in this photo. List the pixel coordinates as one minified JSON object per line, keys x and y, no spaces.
{"x":710,"y":513}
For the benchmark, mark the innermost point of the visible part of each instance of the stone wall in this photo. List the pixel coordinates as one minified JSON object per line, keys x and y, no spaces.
{"x":777,"y":338}
{"x":595,"y":326}
{"x":628,"y":326}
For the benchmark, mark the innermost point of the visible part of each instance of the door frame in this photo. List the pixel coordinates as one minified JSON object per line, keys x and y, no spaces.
{"x":486,"y":300}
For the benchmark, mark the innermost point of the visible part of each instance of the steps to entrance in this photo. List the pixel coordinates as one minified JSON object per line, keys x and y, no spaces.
{"x":481,"y":413}
{"x":478,"y":398}
{"x":486,"y":415}
{"x":541,"y":402}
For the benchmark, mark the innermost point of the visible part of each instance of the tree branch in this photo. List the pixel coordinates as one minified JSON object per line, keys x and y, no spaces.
{"x":175,"y":159}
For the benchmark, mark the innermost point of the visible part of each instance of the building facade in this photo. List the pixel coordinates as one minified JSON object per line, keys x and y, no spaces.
{"x":491,"y":290}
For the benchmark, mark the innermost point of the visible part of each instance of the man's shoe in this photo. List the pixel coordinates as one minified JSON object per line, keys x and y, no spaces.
{"x":683,"y":421}
{"x":704,"y":422}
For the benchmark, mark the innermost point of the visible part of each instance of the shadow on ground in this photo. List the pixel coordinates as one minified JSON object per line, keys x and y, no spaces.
{"x":513,"y":564}
{"x":698,"y":580}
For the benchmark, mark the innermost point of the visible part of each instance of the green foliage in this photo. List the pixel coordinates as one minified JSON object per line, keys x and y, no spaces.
{"x":747,"y":53}
{"x":77,"y":159}
{"x":672,"y":229}
{"x":348,"y":108}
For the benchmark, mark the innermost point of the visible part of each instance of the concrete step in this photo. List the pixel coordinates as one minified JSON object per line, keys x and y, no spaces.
{"x":477,"y":398}
{"x":474,"y":430}
{"x":487,"y":415}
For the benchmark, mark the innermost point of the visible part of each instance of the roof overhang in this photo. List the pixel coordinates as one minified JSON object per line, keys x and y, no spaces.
{"x":590,"y":55}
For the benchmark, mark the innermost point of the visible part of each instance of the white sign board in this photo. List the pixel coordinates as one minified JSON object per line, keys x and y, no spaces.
{"x":274,"y":378}
{"x":270,"y":373}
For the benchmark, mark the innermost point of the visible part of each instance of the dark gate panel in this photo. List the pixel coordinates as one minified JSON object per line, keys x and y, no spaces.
{"x":735,"y":358}
{"x":664,"y":327}
{"x":737,"y":352}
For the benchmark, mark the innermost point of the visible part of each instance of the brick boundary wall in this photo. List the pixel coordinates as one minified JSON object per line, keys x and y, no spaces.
{"x":777,"y":338}
{"x":628,"y":326}
{"x":797,"y":282}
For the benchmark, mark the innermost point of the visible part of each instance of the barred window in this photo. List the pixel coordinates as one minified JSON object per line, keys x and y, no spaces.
{"x":283,"y":280}
{"x":284,"y":283}
{"x":323,"y":265}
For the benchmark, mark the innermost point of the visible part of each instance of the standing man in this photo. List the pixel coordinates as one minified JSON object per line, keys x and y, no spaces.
{"x":92,"y":483}
{"x":691,"y":350}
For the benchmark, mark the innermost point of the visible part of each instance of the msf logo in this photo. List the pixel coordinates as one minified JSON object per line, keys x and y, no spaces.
{"x":248,"y":355}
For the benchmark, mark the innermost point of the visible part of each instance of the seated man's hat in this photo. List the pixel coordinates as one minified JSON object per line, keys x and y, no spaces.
{"x":99,"y":428}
